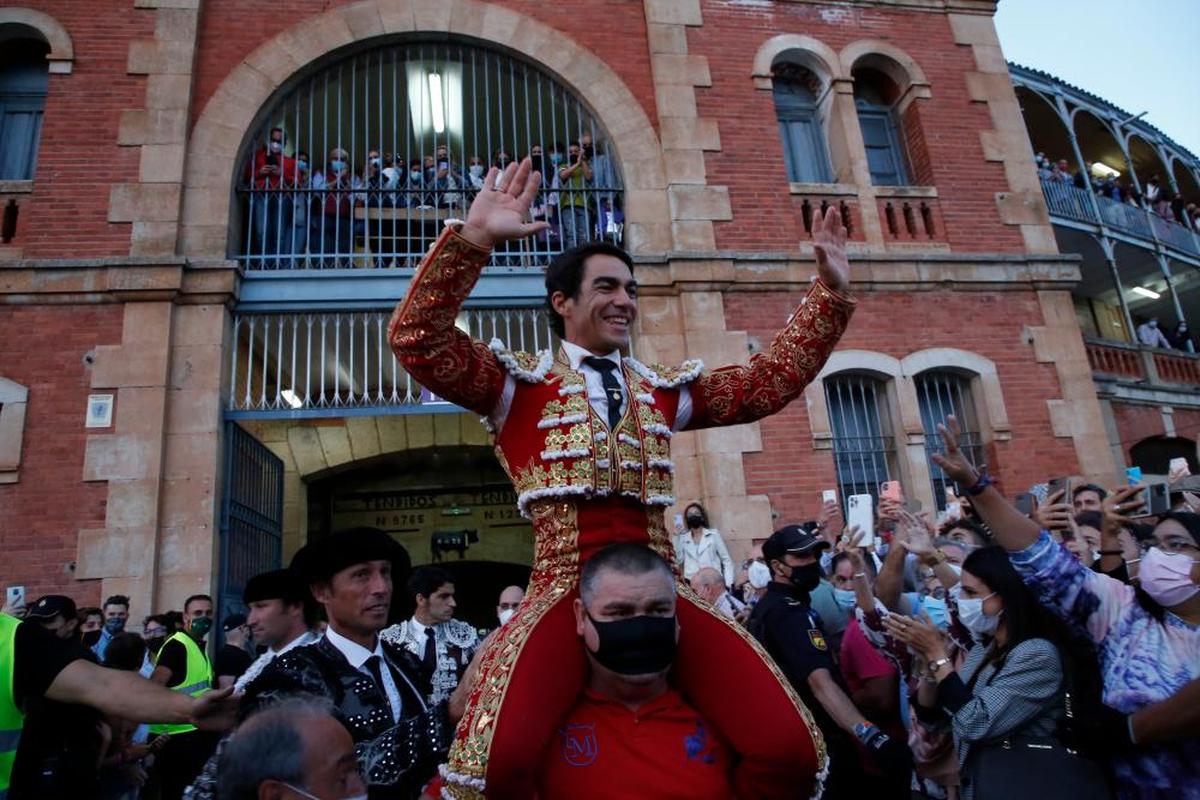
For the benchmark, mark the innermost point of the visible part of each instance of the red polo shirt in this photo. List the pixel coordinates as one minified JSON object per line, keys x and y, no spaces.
{"x":665,"y":749}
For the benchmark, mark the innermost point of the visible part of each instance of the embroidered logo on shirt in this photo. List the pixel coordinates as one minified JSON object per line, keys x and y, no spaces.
{"x":817,"y":638}
{"x":579,"y":748}
{"x":698,"y":746}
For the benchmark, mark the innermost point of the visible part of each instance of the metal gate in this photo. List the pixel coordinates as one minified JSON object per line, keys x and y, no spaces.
{"x":251,"y":516}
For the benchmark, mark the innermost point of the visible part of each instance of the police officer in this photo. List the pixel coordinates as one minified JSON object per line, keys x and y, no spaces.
{"x":785,"y":623}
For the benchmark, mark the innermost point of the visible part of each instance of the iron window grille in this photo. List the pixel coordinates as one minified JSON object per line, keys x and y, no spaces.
{"x":941,"y":393}
{"x":390,"y":136}
{"x":864,"y":445}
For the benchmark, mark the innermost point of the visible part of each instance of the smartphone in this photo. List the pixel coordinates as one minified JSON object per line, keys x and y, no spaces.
{"x":1060,"y":485}
{"x":860,"y":511}
{"x":443,"y":165}
{"x":1158,"y":501}
{"x":1025,"y":503}
{"x":1133,"y":476}
{"x":15,"y":596}
{"x":1179,"y":465}
{"x":890,"y":490}
{"x":679,"y":523}
{"x":829,"y":496}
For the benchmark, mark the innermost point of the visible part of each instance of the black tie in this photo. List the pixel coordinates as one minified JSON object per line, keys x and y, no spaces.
{"x":612,"y":388}
{"x":372,"y":664}
{"x":430,"y":658}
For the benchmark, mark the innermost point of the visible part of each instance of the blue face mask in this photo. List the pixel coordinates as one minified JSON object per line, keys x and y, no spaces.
{"x":337,"y":165}
{"x":556,"y":158}
{"x":845,"y":599}
{"x":302,"y":165}
{"x":937,"y":611}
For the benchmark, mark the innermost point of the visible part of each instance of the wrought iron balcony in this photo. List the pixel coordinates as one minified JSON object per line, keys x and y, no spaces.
{"x":339,"y":363}
{"x":1068,"y":201}
{"x":355,"y":228}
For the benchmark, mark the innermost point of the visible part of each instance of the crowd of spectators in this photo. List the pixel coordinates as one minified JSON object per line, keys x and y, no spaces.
{"x":1154,"y":197}
{"x":304,"y":213}
{"x":1052,"y":649}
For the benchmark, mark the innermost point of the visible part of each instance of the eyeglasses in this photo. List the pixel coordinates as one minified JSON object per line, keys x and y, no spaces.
{"x":1173,"y":546}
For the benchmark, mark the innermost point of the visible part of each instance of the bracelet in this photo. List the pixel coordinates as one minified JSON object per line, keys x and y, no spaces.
{"x":982,"y":483}
{"x":1111,"y":552}
{"x":938,"y":556}
{"x":1132,"y":560}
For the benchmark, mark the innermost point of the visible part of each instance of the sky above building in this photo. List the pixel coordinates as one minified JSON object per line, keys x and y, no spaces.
{"x":1141,"y":55}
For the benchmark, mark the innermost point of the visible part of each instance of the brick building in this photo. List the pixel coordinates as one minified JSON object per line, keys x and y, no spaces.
{"x":192,"y":366}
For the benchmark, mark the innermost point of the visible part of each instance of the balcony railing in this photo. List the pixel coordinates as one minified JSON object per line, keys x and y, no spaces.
{"x":309,"y":364}
{"x":1116,"y":360}
{"x":1069,"y":201}
{"x":1140,"y":363}
{"x":306,"y":228}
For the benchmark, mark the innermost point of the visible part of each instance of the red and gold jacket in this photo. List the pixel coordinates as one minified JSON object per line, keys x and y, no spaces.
{"x":552,"y":444}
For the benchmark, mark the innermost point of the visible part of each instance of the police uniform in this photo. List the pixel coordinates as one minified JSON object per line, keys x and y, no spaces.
{"x":790,"y":630}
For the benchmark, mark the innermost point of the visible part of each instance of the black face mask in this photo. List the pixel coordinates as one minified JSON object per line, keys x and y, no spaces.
{"x":694,"y":521}
{"x":807,"y":577}
{"x":155,"y":643}
{"x":636,"y":645}
{"x":90,"y":638}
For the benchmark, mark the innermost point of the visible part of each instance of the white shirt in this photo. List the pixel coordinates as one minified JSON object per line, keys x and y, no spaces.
{"x":597,"y":397}
{"x":357,"y":655}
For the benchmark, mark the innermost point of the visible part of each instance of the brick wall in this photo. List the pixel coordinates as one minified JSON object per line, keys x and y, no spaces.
{"x":67,"y":214}
{"x":751,"y":159}
{"x":614,"y":30}
{"x":43,"y":512}
{"x":793,"y":474}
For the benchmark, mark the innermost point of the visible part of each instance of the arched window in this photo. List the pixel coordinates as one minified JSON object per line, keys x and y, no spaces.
{"x":796,"y":91}
{"x":941,"y":393}
{"x":875,"y":96}
{"x":24,"y":79}
{"x":379,"y":148}
{"x":864,"y":446}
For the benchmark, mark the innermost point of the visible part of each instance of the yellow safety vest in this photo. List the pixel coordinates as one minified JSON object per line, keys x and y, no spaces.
{"x":12,"y":721}
{"x":196,"y":682}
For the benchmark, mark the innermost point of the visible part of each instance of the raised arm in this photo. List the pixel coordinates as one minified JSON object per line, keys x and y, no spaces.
{"x":422,"y":332}
{"x":735,"y":394}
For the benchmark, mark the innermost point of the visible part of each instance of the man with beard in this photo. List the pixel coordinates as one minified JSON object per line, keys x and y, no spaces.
{"x":790,"y":630}
{"x":377,"y":690}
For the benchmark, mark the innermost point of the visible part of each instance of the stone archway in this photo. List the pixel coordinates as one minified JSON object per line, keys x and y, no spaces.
{"x":231,"y":111}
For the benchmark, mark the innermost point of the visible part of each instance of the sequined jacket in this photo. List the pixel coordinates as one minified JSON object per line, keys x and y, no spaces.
{"x":396,"y":758}
{"x":455,"y":642}
{"x":553,"y":444}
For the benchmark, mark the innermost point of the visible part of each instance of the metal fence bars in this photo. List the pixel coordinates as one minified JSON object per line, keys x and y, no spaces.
{"x":332,"y":363}
{"x":863,"y":443}
{"x":941,"y":393}
{"x":251,"y":516}
{"x":361,"y":164}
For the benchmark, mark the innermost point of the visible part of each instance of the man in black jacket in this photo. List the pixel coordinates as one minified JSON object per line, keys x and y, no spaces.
{"x":377,"y":690}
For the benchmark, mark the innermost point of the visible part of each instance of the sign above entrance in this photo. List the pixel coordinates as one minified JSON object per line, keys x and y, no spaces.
{"x":474,"y":523}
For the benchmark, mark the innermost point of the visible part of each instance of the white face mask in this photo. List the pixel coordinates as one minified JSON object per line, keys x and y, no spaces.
{"x":506,"y":614}
{"x":476,"y":170}
{"x":758,"y":574}
{"x":972,"y":615}
{"x":1167,"y":577}
{"x":314,"y":797}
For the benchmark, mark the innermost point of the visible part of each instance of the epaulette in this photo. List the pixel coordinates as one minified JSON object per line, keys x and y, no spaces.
{"x":528,"y":367}
{"x":664,"y":377}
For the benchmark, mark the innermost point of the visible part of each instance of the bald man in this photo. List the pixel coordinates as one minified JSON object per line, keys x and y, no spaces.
{"x":510,"y":598}
{"x":710,"y":585}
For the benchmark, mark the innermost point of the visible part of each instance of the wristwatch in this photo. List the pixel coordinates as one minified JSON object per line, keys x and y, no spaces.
{"x":936,"y":665}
